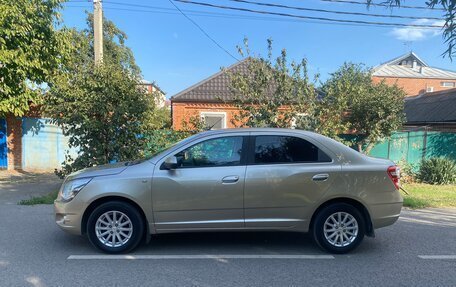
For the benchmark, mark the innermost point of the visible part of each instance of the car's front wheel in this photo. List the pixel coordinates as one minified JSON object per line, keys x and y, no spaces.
{"x":115,"y":227}
{"x":338,"y":228}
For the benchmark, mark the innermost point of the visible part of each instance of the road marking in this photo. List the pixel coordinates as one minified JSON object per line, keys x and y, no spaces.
{"x":204,"y":256}
{"x":438,"y":257}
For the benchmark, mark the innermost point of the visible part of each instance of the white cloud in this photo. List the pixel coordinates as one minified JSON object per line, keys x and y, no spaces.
{"x":417,"y":33}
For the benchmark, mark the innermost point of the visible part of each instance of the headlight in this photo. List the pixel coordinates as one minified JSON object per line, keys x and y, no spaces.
{"x":71,"y":188}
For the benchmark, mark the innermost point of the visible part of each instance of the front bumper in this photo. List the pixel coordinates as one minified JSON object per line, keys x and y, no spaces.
{"x":68,"y":217}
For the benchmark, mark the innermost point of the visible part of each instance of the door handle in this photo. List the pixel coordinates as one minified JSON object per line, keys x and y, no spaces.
{"x":320,"y":177}
{"x":230,"y":179}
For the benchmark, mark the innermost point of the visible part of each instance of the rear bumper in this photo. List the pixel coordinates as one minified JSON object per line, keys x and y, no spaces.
{"x":385,"y":214}
{"x":66,"y":219}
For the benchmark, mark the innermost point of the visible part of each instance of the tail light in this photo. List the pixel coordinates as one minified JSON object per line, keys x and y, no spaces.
{"x":395,"y":175}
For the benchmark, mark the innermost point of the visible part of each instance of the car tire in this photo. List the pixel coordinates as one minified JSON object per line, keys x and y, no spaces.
{"x":338,"y":228}
{"x":115,"y":227}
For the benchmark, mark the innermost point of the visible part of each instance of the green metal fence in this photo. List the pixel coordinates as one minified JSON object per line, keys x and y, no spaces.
{"x":413,"y":146}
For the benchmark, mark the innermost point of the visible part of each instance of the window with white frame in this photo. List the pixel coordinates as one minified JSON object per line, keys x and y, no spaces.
{"x":214,"y":120}
{"x":447,"y":84}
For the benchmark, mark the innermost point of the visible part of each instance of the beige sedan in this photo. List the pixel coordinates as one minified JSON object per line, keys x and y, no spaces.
{"x":235,"y":179}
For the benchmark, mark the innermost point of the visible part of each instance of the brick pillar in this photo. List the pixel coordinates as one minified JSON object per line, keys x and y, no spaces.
{"x":14,"y":142}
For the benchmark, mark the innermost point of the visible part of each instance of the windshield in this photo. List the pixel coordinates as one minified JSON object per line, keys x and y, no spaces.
{"x":181,"y":142}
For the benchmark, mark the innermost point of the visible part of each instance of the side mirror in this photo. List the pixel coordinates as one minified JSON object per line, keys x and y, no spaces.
{"x":170,"y":163}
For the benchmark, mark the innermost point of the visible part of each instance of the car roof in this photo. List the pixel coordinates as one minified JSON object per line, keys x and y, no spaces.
{"x":248,"y":130}
{"x":273,"y":131}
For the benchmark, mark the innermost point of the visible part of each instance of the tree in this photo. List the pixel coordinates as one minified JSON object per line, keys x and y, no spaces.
{"x":81,"y":55}
{"x":159,"y":119}
{"x":271,"y":93}
{"x":31,"y":49}
{"x":102,"y":108}
{"x":449,"y":28}
{"x":354,"y":103}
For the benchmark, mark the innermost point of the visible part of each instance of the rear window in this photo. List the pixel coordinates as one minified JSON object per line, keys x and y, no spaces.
{"x":286,"y":149}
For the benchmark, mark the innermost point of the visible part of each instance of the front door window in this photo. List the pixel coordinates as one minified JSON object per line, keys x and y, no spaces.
{"x":224,"y":151}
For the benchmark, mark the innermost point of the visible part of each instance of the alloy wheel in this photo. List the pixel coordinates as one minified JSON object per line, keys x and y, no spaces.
{"x":113,"y":228}
{"x":340,"y":229}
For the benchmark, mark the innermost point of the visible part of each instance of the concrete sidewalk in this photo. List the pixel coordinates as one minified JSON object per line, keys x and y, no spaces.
{"x":16,"y":186}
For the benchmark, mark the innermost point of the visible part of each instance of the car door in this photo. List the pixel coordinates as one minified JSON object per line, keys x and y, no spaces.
{"x":286,"y":175}
{"x":205,"y":190}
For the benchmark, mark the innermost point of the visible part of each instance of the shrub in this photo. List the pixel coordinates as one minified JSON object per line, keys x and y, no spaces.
{"x":437,"y":170}
{"x":408,"y":171}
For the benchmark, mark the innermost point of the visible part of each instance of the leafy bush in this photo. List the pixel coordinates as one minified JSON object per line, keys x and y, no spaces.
{"x":437,"y":170}
{"x":408,"y":171}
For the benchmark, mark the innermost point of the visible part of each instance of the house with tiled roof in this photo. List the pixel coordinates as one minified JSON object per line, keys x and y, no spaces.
{"x":211,"y":100}
{"x":414,"y":75}
{"x":208,"y":99}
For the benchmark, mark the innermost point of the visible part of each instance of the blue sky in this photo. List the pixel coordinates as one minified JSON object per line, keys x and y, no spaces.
{"x":171,"y":51}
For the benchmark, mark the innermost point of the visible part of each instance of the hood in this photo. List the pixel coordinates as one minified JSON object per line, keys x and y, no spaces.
{"x":101,"y":170}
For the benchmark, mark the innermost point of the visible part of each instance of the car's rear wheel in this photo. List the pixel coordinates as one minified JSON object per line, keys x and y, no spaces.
{"x":115,"y":227}
{"x":338,"y":228}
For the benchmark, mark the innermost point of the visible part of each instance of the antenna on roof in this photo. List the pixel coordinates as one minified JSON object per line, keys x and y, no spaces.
{"x":408,"y":46}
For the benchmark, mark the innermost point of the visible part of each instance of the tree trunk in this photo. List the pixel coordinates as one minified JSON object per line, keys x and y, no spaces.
{"x":369,"y":148}
{"x":360,"y":147}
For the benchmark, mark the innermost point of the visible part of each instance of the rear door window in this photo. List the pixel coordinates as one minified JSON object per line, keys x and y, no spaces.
{"x":286,"y":149}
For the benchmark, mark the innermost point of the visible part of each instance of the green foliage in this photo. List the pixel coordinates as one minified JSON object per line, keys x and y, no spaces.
{"x":426,"y":195}
{"x":354,"y":103}
{"x":193,"y":125}
{"x":408,"y":171}
{"x":102,"y":108}
{"x":415,"y":203}
{"x":271,"y":93}
{"x":31,"y":49}
{"x":43,"y":199}
{"x":160,"y":118}
{"x":437,"y":170}
{"x":115,"y":50}
{"x":81,"y":56}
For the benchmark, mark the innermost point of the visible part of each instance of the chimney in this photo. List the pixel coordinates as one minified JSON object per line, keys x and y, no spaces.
{"x":414,"y":64}
{"x":421,"y":69}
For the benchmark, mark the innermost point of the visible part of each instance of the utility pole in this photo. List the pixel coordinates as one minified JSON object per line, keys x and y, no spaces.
{"x":98,"y":31}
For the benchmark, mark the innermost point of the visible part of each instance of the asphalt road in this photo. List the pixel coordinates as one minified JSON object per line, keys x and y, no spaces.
{"x":35,"y":252}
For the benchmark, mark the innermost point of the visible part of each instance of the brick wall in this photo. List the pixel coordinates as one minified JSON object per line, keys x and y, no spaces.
{"x":14,"y":142}
{"x":414,"y":86}
{"x":184,"y":111}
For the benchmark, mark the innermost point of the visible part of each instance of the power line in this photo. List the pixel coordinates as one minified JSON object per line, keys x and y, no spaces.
{"x":229,"y":16}
{"x":304,"y":17}
{"x":333,"y":11}
{"x":197,"y":13}
{"x":204,"y":32}
{"x":138,"y":5}
{"x":384,"y":5}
